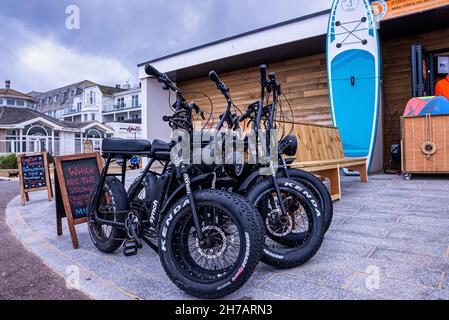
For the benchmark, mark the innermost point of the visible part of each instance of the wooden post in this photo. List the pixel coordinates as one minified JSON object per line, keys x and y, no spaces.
{"x":47,"y":177}
{"x":334,"y":180}
{"x":361,"y":169}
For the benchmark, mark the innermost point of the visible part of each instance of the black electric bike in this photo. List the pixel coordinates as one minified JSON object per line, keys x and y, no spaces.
{"x":290,"y":201}
{"x":257,"y":113}
{"x":209,"y":241}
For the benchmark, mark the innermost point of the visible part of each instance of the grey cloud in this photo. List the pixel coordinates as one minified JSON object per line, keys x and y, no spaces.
{"x":134,"y":31}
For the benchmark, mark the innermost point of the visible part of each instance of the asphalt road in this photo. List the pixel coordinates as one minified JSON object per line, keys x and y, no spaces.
{"x":22,"y":275}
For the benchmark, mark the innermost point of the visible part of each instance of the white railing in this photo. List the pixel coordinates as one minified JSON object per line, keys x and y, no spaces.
{"x":119,"y":107}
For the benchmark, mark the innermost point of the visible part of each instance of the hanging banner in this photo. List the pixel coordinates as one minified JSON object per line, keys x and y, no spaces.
{"x":385,"y":10}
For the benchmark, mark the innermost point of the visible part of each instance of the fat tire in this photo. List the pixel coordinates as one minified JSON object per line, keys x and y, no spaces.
{"x":119,"y":199}
{"x":319,"y":190}
{"x":300,"y":256}
{"x":242,"y":213}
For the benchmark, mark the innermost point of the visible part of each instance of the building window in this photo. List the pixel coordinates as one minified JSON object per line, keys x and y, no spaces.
{"x":91,"y":97}
{"x":20,"y":103}
{"x":134,"y":116}
{"x":1,"y":102}
{"x":92,"y":116}
{"x":78,"y":106}
{"x":135,"y":101}
{"x":77,"y":143}
{"x":85,"y":117}
{"x":120,"y":103}
{"x":120,"y":118}
{"x":11,"y":102}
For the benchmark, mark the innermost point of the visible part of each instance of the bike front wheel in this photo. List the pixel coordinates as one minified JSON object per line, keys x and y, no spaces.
{"x":293,"y":237}
{"x":221,"y":262}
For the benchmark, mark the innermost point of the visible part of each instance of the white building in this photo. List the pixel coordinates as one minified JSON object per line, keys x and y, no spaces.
{"x":23,"y":129}
{"x":88,"y":101}
{"x":125,"y":105}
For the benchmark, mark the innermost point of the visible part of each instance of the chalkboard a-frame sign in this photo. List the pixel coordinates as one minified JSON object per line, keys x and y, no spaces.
{"x":75,"y":178}
{"x":33,"y":174}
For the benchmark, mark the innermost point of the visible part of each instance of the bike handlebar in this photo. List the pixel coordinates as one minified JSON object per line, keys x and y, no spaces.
{"x":152,"y":71}
{"x":213,"y":76}
{"x":263,"y":72}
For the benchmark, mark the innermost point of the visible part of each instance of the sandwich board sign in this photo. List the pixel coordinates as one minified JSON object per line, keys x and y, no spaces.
{"x":76,"y":176}
{"x":33,"y":174}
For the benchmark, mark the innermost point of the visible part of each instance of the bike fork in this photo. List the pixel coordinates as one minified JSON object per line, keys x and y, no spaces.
{"x":278,"y":190}
{"x":196,"y":220}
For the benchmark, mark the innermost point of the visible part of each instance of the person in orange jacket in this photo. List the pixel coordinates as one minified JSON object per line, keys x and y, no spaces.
{"x":442,"y":87}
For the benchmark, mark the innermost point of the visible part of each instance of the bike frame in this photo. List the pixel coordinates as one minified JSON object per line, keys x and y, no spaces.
{"x":172,"y":172}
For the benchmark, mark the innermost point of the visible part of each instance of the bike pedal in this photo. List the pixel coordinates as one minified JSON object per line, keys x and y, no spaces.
{"x":130,"y":247}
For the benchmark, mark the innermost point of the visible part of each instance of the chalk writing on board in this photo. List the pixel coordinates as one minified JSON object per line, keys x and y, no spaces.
{"x":33,"y":172}
{"x":81,"y":177}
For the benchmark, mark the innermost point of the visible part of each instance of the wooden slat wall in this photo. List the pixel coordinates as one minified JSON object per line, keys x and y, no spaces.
{"x":397,"y":78}
{"x":303,"y":80}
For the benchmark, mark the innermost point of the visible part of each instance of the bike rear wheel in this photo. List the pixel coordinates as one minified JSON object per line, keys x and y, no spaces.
{"x":113,"y":203}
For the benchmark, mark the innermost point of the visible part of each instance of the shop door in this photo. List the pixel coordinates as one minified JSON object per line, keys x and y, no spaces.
{"x":423,"y":77}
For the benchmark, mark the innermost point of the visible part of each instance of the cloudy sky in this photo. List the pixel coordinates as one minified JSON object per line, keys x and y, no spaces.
{"x":38,"y":52}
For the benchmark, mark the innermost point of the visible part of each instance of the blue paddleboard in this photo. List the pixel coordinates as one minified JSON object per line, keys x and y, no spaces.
{"x":353,"y":68}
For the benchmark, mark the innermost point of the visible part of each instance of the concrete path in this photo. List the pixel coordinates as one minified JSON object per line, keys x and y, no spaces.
{"x":22,"y":274}
{"x":389,"y":240}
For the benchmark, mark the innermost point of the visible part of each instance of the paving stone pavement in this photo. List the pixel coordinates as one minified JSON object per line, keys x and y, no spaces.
{"x":389,"y":240}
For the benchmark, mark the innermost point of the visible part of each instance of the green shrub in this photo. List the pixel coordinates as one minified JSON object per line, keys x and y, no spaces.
{"x":9,"y":161}
{"x":50,"y":158}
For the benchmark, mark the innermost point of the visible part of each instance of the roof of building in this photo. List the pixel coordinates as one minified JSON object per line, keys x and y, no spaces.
{"x":303,"y":36}
{"x":240,"y":50}
{"x":15,"y":115}
{"x":11,"y":92}
{"x":109,"y":90}
{"x":240,"y":35}
{"x":56,"y":104}
{"x":84,"y":84}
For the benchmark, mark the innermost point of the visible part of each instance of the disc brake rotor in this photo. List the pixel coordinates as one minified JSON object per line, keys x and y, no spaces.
{"x":278,"y":225}
{"x":218,"y":242}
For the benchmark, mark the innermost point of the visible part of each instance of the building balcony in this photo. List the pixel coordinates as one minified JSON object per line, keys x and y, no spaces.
{"x":71,"y":110}
{"x":119,"y":107}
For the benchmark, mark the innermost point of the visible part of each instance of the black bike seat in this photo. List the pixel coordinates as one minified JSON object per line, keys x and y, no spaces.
{"x":118,"y":145}
{"x":159,"y":146}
